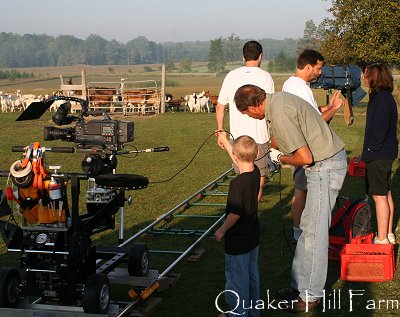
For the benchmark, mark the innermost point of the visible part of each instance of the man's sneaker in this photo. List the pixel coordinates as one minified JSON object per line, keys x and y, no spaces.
{"x":392,"y":238}
{"x":287,"y":293}
{"x":379,"y":241}
{"x":298,"y":305}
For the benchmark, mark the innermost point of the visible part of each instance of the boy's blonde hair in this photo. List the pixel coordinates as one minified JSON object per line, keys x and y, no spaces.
{"x":245,"y":148}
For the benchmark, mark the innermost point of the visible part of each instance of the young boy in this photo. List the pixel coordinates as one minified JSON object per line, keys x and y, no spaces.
{"x":241,"y":228}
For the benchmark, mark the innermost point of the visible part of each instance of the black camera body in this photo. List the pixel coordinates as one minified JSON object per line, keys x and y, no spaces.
{"x":106,"y":134}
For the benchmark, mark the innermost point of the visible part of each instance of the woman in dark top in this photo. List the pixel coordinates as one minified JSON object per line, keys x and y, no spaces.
{"x":380,"y":146}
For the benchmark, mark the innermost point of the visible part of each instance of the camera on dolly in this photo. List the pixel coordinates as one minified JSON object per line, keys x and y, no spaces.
{"x":58,"y":263}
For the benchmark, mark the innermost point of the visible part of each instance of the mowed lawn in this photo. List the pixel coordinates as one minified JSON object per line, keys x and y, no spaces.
{"x":200,"y":282}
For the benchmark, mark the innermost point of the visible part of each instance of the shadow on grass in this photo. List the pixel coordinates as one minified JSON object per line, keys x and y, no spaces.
{"x":204,"y":280}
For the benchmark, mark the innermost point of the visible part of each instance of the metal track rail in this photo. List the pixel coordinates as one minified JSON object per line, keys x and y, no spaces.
{"x":208,"y":190}
{"x":176,"y":208}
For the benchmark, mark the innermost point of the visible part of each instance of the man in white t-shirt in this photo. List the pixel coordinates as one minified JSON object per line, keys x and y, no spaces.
{"x":308,"y":69}
{"x":240,"y":124}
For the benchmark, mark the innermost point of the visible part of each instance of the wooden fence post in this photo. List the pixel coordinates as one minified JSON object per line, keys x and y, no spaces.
{"x":163,"y":88}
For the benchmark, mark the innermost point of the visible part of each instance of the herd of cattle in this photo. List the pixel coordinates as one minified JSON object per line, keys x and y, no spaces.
{"x":138,"y":101}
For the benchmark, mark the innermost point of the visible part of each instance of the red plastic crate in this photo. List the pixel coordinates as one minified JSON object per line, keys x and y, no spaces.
{"x":336,"y":245}
{"x":363,"y":239}
{"x":367,"y":262}
{"x":357,"y":167}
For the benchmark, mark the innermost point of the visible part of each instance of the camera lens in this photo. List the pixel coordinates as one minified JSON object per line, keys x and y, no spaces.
{"x":52,"y":133}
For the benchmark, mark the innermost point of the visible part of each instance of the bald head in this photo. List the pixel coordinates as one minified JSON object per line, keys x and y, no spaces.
{"x":248,"y":96}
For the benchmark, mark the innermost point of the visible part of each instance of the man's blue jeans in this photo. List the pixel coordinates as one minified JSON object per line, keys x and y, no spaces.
{"x":310,"y":263}
{"x":242,"y":278}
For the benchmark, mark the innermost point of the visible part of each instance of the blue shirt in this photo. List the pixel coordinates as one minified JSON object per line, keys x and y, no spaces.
{"x":380,"y":138}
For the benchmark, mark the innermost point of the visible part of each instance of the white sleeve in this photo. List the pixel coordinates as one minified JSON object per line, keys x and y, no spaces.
{"x":223,"y":97}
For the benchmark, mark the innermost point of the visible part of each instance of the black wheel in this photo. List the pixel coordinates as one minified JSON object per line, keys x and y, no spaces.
{"x":96,"y":294}
{"x":138,"y":259}
{"x":9,"y":282}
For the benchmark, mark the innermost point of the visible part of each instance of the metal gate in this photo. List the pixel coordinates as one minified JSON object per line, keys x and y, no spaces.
{"x":125,"y":97}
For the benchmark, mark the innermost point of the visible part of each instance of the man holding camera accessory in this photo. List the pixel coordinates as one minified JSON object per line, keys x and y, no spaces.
{"x":239,"y":124}
{"x":308,"y":69}
{"x":304,"y":139}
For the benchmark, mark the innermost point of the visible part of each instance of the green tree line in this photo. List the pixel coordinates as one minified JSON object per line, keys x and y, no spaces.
{"x":13,"y":74}
{"x":359,"y":31}
{"x":32,"y":50}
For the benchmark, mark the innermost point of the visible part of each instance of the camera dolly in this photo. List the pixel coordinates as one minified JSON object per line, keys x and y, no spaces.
{"x":58,"y":261}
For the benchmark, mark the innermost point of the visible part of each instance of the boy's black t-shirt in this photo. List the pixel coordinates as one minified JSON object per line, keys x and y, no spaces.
{"x":243,"y":236}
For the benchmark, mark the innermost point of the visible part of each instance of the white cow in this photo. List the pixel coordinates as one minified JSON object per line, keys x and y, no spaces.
{"x":17,"y":103}
{"x":191,"y":101}
{"x":203,"y":102}
{"x":5,"y":102}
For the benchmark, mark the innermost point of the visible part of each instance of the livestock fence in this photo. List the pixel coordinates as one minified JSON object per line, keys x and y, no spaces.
{"x":125,"y":97}
{"x":128,"y":97}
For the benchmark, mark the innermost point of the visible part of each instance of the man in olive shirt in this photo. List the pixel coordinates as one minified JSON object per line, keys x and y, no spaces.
{"x":304,"y":139}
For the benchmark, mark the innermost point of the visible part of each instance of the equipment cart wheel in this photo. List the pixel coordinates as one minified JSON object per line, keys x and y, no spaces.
{"x":96,"y":294}
{"x":138,"y":259}
{"x":9,"y":282}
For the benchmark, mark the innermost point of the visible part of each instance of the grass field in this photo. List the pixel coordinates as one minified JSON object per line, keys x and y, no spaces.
{"x":200,"y":282}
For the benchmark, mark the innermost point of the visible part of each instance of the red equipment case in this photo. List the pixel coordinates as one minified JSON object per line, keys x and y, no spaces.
{"x":367,"y":262}
{"x":357,"y":167}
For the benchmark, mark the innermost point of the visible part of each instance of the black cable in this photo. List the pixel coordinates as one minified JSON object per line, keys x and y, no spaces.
{"x":130,"y":157}
{"x":262,"y":156}
{"x":187,"y":165}
{"x":283,"y":213}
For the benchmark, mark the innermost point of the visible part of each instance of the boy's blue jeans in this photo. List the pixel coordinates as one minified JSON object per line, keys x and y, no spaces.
{"x":242,"y":278}
{"x":310,"y":263}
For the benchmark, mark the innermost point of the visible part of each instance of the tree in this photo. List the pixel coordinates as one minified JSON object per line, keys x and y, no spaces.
{"x":141,"y":48}
{"x":271,"y":65}
{"x":362,"y":31}
{"x":282,"y":63}
{"x":115,"y":53}
{"x":170,"y":65}
{"x":186,"y":65}
{"x":95,"y":49}
{"x":216,"y":58}
{"x":233,"y":48}
{"x":67,"y":50}
{"x":309,"y":39}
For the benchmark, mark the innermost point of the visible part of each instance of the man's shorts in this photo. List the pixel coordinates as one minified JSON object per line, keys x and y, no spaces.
{"x":299,"y":177}
{"x":378,"y":177}
{"x":260,"y":161}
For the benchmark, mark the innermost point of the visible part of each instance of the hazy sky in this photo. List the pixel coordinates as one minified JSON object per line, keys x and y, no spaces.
{"x":162,"y":20}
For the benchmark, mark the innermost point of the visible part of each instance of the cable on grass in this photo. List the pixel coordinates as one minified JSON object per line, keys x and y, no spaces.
{"x":191,"y":160}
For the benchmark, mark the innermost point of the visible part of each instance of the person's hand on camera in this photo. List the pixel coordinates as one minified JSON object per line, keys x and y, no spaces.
{"x":275,"y":155}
